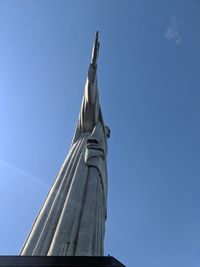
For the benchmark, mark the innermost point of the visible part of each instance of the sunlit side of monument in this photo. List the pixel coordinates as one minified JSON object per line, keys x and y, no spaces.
{"x":71,"y":221}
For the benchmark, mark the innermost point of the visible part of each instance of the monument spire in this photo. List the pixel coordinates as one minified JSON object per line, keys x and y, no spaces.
{"x":72,"y":219}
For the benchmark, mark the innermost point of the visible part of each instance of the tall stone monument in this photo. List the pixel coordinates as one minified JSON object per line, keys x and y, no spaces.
{"x":70,"y":227}
{"x":71,"y":221}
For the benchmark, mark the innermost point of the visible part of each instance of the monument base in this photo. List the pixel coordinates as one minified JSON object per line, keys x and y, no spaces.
{"x":59,"y":261}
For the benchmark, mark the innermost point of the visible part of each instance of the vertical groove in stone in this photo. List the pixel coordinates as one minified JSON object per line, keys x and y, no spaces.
{"x":37,"y":226}
{"x":73,"y":251}
{"x":84,"y":242}
{"x":72,"y":204}
{"x":50,"y":224}
{"x":58,"y":232}
{"x":50,"y":210}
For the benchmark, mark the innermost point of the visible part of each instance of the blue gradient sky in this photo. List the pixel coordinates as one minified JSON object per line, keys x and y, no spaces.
{"x":149,"y":82}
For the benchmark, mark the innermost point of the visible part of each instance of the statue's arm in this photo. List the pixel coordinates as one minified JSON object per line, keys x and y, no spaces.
{"x":91,"y":83}
{"x":95,"y":49}
{"x":89,"y":113}
{"x":93,"y":65}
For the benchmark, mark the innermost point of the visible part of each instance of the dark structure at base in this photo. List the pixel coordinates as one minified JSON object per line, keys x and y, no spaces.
{"x":58,"y":261}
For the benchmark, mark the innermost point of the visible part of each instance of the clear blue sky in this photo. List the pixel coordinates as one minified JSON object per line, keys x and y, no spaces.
{"x":149,"y":82}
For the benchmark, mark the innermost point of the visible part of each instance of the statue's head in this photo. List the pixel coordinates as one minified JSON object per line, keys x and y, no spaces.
{"x":107,"y":131}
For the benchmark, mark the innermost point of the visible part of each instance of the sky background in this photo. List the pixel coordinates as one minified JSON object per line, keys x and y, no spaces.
{"x":149,"y":85}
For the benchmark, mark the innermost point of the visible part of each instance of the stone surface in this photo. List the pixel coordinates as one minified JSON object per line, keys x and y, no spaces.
{"x":72,"y":219}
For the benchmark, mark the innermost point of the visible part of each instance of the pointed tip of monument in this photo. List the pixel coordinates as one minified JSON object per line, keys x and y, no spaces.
{"x":97,"y":36}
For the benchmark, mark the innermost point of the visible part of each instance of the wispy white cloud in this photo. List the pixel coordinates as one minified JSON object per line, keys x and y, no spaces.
{"x":173,"y":31}
{"x":24,"y":174}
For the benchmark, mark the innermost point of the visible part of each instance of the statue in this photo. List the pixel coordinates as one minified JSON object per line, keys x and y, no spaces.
{"x":71,"y":221}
